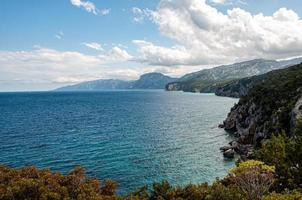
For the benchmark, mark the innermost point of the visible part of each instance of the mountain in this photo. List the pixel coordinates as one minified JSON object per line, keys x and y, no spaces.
{"x":271,"y":106}
{"x":239,"y":88}
{"x":208,"y":80}
{"x":152,"y":81}
{"x":110,"y":84}
{"x":146,"y":81}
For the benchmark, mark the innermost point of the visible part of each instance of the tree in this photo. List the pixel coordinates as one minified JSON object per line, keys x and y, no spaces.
{"x":253,"y":178}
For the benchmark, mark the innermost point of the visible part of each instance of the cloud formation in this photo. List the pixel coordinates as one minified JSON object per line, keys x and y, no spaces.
{"x":59,"y":35}
{"x":203,"y":35}
{"x":44,"y":65}
{"x":140,"y":14}
{"x":94,"y":45}
{"x":89,"y":7}
{"x":219,"y":1}
{"x":228,"y":2}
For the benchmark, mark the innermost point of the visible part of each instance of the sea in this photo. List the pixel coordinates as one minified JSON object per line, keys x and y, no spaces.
{"x":135,"y":138}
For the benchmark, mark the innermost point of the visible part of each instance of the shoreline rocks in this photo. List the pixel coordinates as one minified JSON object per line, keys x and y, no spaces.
{"x":229,"y":153}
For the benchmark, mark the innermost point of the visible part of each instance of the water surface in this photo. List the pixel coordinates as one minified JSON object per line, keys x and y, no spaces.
{"x":132,"y":137}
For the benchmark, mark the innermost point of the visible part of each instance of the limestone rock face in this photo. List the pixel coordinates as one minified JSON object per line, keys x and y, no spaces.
{"x":229,"y":153}
{"x":296,"y":115}
{"x":271,"y":107}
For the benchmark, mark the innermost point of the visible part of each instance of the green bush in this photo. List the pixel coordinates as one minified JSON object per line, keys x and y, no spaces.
{"x":295,"y":195}
{"x":285,"y":154}
{"x":32,"y":184}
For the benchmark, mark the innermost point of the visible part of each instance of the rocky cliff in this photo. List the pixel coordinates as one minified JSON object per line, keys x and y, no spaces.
{"x":270,"y":107}
{"x":239,"y":88}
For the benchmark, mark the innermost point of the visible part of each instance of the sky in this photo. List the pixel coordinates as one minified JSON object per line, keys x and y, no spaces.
{"x":45,"y":44}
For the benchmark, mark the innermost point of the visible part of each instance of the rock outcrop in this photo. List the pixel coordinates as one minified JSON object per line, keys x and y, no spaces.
{"x":271,"y":106}
{"x":239,"y":88}
{"x":296,"y":115}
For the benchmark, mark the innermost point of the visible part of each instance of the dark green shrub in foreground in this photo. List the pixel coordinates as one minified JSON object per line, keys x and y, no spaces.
{"x":295,"y":195}
{"x":286,"y":155}
{"x":32,"y":184}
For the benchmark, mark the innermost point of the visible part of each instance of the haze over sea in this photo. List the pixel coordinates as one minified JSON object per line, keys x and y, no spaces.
{"x":132,"y":137}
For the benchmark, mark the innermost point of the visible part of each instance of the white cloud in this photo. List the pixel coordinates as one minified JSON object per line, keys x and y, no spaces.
{"x":140,"y":14}
{"x":203,"y":35}
{"x":229,"y":2}
{"x":89,"y":7}
{"x":156,"y":55}
{"x":94,"y":45}
{"x":116,"y":55}
{"x":105,"y":11}
{"x":219,"y":1}
{"x":49,"y":66}
{"x":59,"y":35}
{"x":44,"y":68}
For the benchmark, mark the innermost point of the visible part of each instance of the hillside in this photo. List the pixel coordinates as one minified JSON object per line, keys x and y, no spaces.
{"x":239,"y":88}
{"x":208,"y":80}
{"x":268,"y":108}
{"x":109,"y":84}
{"x":152,"y":81}
{"x":146,"y":81}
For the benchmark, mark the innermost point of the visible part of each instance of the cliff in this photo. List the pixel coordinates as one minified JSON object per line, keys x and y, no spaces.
{"x":270,"y":107}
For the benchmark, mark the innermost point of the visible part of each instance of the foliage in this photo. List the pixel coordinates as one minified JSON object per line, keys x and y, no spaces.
{"x":284,"y":89}
{"x":285,"y":154}
{"x":254,"y":178}
{"x":295,"y":195}
{"x":31,"y":183}
{"x":217,"y":191}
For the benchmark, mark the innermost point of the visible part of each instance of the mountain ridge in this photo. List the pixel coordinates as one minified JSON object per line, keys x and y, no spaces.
{"x":153,"y":80}
{"x":208,"y":80}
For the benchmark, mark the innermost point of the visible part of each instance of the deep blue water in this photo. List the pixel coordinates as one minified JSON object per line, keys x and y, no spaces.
{"x":133,"y":137}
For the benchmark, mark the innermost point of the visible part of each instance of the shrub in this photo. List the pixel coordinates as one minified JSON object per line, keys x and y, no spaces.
{"x":31,"y":183}
{"x":253,"y":178}
{"x":295,"y":195}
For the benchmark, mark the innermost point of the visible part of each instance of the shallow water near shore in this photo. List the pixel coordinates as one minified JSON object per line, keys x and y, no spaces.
{"x":132,"y":137}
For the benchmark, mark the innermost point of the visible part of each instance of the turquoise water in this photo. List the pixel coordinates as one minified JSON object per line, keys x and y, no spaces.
{"x":132,"y":137}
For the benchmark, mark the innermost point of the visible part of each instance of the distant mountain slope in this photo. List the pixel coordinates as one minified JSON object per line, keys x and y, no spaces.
{"x":109,"y":84}
{"x":241,"y":87}
{"x":146,"y":81}
{"x":208,"y":80}
{"x":152,"y":81}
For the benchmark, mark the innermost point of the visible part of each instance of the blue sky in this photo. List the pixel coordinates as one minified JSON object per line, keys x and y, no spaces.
{"x":36,"y":22}
{"x":45,"y":44}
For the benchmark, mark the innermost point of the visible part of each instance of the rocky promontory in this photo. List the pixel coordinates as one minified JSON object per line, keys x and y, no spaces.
{"x":272,"y":105}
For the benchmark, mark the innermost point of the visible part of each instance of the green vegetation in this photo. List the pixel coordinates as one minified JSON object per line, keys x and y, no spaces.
{"x":202,"y":86}
{"x":285,"y":154}
{"x":277,"y":176}
{"x":276,"y":97}
{"x":253,"y":178}
{"x":31,"y":183}
{"x":250,"y":180}
{"x":294,"y":195}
